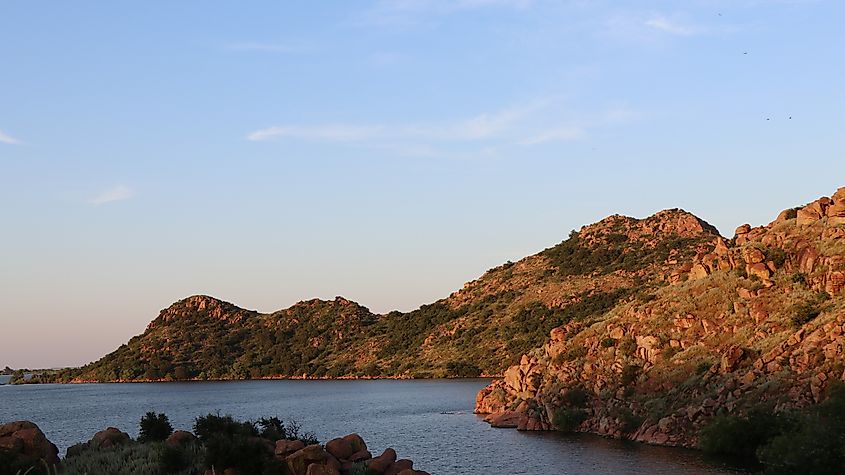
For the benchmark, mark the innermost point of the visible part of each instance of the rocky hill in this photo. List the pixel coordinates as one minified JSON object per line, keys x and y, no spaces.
{"x":481,"y":329}
{"x":718,"y":327}
{"x":637,"y":328}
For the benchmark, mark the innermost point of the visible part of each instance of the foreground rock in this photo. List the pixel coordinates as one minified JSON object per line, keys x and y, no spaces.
{"x":23,"y":445}
{"x":340,"y":456}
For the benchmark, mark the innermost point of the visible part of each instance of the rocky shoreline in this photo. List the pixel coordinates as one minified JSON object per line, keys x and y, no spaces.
{"x":749,"y":324}
{"x":24,"y":448}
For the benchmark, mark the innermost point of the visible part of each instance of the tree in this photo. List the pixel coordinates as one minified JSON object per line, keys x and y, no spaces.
{"x":154,"y":427}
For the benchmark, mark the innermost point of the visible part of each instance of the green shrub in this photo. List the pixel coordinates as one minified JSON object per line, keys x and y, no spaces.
{"x":568,"y":419}
{"x":805,"y":312}
{"x":176,"y":459}
{"x":608,"y":342}
{"x":629,"y":374}
{"x":576,"y":397}
{"x":628,"y":345}
{"x":154,"y":427}
{"x":630,"y":421}
{"x":245,"y":454}
{"x":462,"y":369}
{"x":814,"y":443}
{"x":776,"y":255}
{"x":215,"y":425}
{"x":153,"y":458}
{"x":740,"y":436}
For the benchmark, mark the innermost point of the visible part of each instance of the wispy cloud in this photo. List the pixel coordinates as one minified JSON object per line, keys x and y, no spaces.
{"x":558,"y":134}
{"x":283,"y":48}
{"x":116,"y":193}
{"x":650,"y":26}
{"x":673,"y":27}
{"x":483,"y":126}
{"x":406,"y":12}
{"x":320,"y":133}
{"x":8,"y":139}
{"x":532,"y":123}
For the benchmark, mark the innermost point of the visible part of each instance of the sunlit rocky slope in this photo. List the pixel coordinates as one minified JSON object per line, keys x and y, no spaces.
{"x":643,"y":328}
{"x":719,"y":327}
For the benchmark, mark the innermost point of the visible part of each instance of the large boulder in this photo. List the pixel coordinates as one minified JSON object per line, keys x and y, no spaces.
{"x":341,"y":448}
{"x":383,"y":462}
{"x":299,"y":461}
{"x":26,"y":446}
{"x":318,"y":469}
{"x":286,"y":447}
{"x":398,"y":466}
{"x":504,"y":420}
{"x":180,"y":438}
{"x":356,"y":441}
{"x":839,"y":196}
{"x":836,"y":213}
{"x":108,"y":438}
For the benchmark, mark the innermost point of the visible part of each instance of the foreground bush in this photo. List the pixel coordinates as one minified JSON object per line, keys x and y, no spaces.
{"x":741,"y":437}
{"x":154,"y":427}
{"x":810,"y":441}
{"x":815,"y":445}
{"x":154,"y":458}
{"x":247,"y":446}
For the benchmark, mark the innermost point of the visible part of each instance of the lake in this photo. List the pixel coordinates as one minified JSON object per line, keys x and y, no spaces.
{"x":428,"y":421}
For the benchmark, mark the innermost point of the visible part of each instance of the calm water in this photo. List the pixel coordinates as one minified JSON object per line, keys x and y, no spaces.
{"x":430,"y":422}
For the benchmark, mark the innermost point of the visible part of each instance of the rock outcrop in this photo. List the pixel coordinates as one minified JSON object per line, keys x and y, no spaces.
{"x":23,"y":446}
{"x":340,"y":456}
{"x":757,"y":320}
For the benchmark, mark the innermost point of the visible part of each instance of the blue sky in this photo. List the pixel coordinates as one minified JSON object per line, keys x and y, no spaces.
{"x":387,"y":151}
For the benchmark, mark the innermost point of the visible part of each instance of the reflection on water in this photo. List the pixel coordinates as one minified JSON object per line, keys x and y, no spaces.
{"x":430,"y":422}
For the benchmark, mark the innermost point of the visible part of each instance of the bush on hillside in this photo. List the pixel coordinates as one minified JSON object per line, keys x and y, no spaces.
{"x":739,"y":437}
{"x":567,"y":419}
{"x":814,"y":444}
{"x":808,"y":441}
{"x":462,"y":369}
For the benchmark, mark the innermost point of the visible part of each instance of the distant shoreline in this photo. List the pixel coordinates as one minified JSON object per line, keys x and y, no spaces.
{"x":266,"y":378}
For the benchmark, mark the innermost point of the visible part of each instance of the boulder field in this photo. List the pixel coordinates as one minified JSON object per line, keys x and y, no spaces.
{"x":23,"y":445}
{"x":757,"y":320}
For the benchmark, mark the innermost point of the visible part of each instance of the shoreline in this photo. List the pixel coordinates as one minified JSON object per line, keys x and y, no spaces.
{"x":266,"y":378}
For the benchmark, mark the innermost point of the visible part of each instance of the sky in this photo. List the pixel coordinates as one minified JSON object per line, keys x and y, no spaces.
{"x":387,"y":151}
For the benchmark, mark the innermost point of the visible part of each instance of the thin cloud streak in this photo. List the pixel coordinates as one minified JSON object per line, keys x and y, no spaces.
{"x":265,"y":47}
{"x":409,"y":12}
{"x":117,"y":193}
{"x":8,"y":139}
{"x":480,"y":127}
{"x":534,"y":123}
{"x":661,"y":23}
{"x":560,"y":134}
{"x":323,"y":133}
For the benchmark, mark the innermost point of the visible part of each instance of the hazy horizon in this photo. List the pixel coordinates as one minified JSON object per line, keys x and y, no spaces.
{"x":386,"y":151}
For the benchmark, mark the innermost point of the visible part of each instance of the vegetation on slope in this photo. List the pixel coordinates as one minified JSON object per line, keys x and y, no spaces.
{"x":744,"y":337}
{"x":481,"y":329}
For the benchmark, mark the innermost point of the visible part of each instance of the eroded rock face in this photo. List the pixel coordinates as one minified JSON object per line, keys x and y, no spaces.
{"x":27,"y":445}
{"x":723,"y":337}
